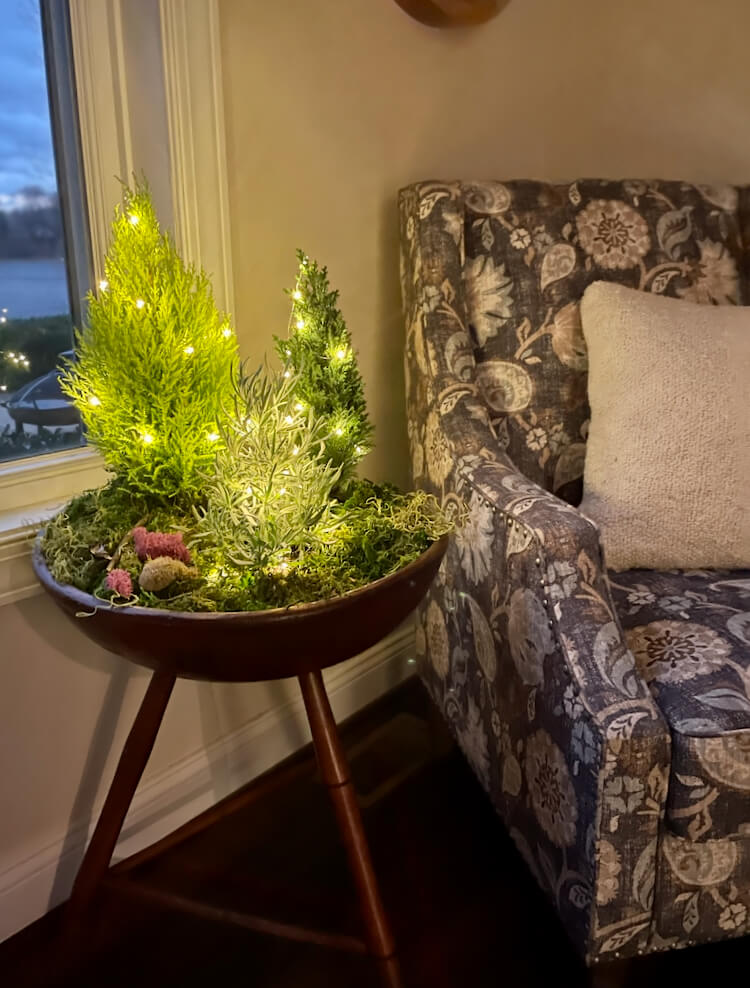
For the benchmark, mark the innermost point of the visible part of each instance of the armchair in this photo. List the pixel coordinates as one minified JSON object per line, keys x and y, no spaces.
{"x":607,"y":715}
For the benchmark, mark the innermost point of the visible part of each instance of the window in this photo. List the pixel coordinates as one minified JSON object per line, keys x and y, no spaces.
{"x":148,"y":98}
{"x":44,"y":245}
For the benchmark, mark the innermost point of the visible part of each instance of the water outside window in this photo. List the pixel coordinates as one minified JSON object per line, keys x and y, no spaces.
{"x":35,"y":311}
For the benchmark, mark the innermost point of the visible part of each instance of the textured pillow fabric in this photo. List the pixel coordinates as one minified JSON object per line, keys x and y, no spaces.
{"x":667,"y":469}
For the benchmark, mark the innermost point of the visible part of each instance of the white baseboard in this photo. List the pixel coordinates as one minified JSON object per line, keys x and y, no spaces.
{"x":30,"y":888}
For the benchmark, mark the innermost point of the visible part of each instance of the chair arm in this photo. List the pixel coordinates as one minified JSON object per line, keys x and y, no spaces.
{"x":548,"y":564}
{"x":551,"y":560}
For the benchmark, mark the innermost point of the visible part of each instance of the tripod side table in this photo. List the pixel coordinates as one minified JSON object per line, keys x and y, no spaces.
{"x":299,"y":641}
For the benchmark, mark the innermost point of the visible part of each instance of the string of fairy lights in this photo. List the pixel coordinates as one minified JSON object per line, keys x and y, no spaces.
{"x":11,"y":357}
{"x":147,"y":435}
{"x":337,"y":351}
{"x":18,"y":360}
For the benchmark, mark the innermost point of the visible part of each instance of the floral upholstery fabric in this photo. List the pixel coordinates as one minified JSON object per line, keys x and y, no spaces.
{"x":531,"y":249}
{"x":520,"y":639}
{"x":702,"y":891}
{"x":690,"y":635}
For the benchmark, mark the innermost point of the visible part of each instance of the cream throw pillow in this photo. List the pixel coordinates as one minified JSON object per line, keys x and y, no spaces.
{"x":667,"y":471}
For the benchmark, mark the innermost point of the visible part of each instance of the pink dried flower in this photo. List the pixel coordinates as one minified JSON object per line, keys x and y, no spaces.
{"x":139,"y":541}
{"x":150,"y":545}
{"x":119,"y":581}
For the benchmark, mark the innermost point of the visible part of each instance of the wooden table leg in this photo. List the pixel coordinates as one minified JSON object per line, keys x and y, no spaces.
{"x":334,"y":770}
{"x":128,"y":774}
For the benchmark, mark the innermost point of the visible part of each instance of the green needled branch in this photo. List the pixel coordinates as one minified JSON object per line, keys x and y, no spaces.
{"x":319,"y":353}
{"x":155,"y":361}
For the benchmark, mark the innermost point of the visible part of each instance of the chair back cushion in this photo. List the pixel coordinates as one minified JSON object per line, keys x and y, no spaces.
{"x":530,"y":250}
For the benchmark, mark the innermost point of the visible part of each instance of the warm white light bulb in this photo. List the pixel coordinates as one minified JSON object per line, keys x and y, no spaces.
{"x":288,"y":352}
{"x":226,"y":333}
{"x":339,"y":431}
{"x":285,"y":472}
{"x":297,"y":295}
{"x":147,"y":438}
{"x":139,"y":303}
{"x":287,"y":373}
{"x":283,"y":490}
{"x":11,"y":354}
{"x":93,"y":400}
{"x":133,"y":219}
{"x":358,"y":450}
{"x":300,"y":324}
{"x":288,"y":419}
{"x":340,"y":354}
{"x":3,"y":319}
{"x":299,"y":407}
{"x":213,"y":436}
{"x":248,"y":490}
{"x":103,"y":285}
{"x":3,"y":387}
{"x":189,"y":349}
{"x":295,"y":451}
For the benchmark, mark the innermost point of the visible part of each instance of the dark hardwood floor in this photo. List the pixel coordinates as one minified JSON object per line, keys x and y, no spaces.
{"x":465,"y":911}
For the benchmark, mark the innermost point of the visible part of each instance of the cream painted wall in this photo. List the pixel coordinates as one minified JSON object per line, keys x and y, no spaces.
{"x":332,"y":105}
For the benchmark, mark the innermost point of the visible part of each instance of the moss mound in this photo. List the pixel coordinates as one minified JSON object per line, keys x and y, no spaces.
{"x":381,"y":530}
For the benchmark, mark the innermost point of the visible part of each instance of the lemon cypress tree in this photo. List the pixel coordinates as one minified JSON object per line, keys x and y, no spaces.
{"x":319,"y":353}
{"x":153,"y":370}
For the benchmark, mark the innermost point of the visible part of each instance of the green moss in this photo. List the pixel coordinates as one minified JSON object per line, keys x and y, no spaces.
{"x":383,"y":530}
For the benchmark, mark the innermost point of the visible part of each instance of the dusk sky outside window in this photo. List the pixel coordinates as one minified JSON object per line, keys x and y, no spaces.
{"x":35,"y":316}
{"x":26,"y":155}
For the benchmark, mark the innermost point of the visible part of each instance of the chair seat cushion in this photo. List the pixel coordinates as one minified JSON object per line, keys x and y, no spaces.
{"x":690,"y":634}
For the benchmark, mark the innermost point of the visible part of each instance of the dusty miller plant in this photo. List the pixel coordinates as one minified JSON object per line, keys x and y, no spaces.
{"x":269,"y":491}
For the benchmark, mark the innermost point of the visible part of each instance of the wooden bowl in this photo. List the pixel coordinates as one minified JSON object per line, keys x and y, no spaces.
{"x":248,"y":646}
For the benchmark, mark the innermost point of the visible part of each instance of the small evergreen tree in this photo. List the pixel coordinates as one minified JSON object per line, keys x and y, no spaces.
{"x":154,"y":365}
{"x":318,"y":352}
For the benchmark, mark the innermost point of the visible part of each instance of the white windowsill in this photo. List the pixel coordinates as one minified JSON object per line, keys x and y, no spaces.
{"x":17,"y":532}
{"x":31,"y":491}
{"x":51,"y":476}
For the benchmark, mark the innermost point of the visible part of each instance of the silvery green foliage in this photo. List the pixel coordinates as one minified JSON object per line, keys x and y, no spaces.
{"x":270,"y":490}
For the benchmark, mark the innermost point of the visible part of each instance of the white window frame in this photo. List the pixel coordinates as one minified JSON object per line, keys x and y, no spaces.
{"x":144,"y":69}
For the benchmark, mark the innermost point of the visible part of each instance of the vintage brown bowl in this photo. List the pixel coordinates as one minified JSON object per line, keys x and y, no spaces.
{"x":248,"y":646}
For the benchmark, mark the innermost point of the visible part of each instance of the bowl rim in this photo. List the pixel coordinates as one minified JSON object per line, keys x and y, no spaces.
{"x":434,"y":551}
